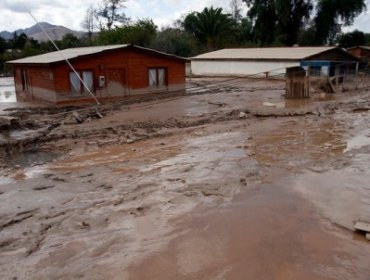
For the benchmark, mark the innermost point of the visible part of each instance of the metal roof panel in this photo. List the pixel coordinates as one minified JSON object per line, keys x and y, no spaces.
{"x":56,"y":56}
{"x":288,"y":53}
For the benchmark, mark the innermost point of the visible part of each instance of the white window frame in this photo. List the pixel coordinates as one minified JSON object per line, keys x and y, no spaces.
{"x":157,"y":77}
{"x":87,"y":76}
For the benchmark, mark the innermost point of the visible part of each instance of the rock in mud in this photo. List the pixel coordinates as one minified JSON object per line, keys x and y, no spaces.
{"x":242,"y":115}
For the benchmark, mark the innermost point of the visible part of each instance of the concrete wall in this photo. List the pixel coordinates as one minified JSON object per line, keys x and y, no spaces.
{"x":238,"y":68}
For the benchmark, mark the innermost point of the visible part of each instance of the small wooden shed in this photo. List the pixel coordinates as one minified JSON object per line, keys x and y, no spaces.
{"x":110,"y":72}
{"x":297,"y":83}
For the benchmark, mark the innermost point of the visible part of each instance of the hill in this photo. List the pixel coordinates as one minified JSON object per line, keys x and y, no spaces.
{"x":56,"y":32}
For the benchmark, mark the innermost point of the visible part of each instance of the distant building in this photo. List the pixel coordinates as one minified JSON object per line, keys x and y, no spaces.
{"x":272,"y":61}
{"x":362,"y":53}
{"x":110,"y":72}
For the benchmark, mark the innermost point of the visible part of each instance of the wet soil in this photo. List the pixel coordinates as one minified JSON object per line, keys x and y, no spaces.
{"x":189,"y":188}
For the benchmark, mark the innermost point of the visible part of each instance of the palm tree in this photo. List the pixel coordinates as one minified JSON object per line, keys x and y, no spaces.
{"x":210,"y":26}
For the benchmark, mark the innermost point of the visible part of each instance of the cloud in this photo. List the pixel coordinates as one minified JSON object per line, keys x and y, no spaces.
{"x":22,"y":6}
{"x":18,"y":6}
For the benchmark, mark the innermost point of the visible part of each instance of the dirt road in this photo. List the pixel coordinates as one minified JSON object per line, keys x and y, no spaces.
{"x":189,"y":188}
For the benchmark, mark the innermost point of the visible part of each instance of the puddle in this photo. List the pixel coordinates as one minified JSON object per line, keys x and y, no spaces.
{"x":296,"y":143}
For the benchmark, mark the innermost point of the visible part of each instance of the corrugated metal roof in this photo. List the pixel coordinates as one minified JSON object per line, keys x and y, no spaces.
{"x":289,"y":53}
{"x":53,"y":57}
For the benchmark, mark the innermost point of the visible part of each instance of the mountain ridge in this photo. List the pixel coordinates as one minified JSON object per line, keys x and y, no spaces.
{"x":56,"y":32}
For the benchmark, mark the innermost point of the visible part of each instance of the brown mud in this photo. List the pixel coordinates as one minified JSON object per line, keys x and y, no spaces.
{"x":189,"y":188}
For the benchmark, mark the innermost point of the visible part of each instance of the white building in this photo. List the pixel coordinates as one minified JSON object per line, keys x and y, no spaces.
{"x":271,"y":61}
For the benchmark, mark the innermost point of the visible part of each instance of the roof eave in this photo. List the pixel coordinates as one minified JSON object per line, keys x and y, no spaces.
{"x":169,"y":56}
{"x":331,"y":49}
{"x":248,"y":59}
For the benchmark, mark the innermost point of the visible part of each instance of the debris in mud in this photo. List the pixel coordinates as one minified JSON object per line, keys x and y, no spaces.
{"x":327,"y":86}
{"x":138,"y":211}
{"x":43,"y":188}
{"x":35,"y":246}
{"x":15,"y":221}
{"x":7,"y":242}
{"x":9,"y":122}
{"x":362,"y":226}
{"x":243,"y":181}
{"x":78,"y":117}
{"x":206,"y":193}
{"x":57,"y":179}
{"x":87,"y":175}
{"x":85,"y":225}
{"x":217,"y":104}
{"x":105,"y":187}
{"x":242,"y":115}
{"x":360,"y":110}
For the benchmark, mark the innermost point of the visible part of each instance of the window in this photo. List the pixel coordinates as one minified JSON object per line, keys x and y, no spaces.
{"x":77,"y":86}
{"x":157,"y":77}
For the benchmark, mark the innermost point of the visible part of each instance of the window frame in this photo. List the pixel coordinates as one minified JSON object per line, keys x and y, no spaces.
{"x":157,"y":69}
{"x":82,"y":89}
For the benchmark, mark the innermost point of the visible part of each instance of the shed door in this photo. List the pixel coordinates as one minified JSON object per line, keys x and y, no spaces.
{"x":116,"y":82}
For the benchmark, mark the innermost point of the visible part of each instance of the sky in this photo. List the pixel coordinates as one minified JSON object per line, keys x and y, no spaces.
{"x":13,"y":13}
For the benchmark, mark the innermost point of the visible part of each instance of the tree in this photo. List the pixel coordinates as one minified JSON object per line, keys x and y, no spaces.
{"x":19,"y":41}
{"x":367,"y":39}
{"x":278,"y":21}
{"x":89,"y":23}
{"x":332,"y":14}
{"x":245,"y":34}
{"x":69,"y":41}
{"x":140,"y":33}
{"x":110,"y":12}
{"x":3,"y":46}
{"x":175,"y":41}
{"x":263,"y":16}
{"x":352,"y":39}
{"x":211,"y":27}
{"x":235,"y":10}
{"x":291,"y":17}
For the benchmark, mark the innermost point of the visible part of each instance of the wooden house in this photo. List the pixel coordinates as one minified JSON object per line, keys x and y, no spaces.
{"x":109,"y":72}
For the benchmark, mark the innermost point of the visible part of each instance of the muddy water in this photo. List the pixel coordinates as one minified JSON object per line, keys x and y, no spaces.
{"x":246,"y":199}
{"x":300,"y":226}
{"x":266,"y":233}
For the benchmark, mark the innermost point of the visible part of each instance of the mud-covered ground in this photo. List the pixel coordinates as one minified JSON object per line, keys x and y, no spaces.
{"x":229,"y":182}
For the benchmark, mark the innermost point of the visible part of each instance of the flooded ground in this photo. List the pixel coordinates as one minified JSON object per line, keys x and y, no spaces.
{"x":7,"y":93}
{"x":189,"y":188}
{"x":7,"y":90}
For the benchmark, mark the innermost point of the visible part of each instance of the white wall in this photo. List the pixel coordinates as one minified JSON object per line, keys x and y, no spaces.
{"x":238,"y":68}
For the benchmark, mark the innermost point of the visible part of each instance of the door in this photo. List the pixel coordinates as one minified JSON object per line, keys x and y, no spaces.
{"x":116,"y":82}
